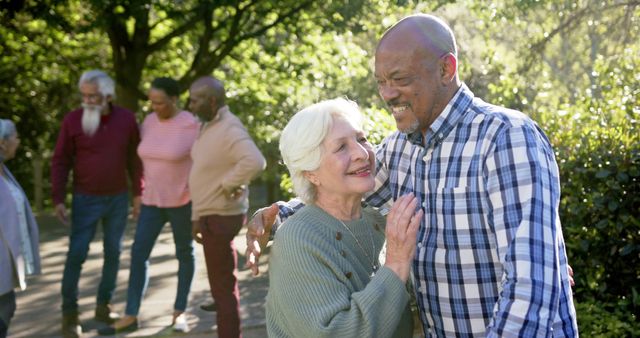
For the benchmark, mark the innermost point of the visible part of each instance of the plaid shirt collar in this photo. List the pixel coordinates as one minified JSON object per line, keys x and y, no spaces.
{"x":446,"y":121}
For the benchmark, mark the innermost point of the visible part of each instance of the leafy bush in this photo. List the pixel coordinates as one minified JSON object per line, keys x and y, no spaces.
{"x":604,"y":320}
{"x":600,"y":210}
{"x":597,"y":143}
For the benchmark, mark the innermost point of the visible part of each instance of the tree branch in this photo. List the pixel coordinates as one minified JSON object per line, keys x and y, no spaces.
{"x":280,"y":19}
{"x":206,"y":60}
{"x":538,"y":47}
{"x":185,"y":27}
{"x":222,"y":50}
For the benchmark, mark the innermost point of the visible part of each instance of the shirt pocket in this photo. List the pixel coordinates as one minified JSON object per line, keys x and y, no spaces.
{"x":459,"y":219}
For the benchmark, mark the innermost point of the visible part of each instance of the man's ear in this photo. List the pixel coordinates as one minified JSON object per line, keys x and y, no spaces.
{"x":448,"y":67}
{"x":213,"y":103}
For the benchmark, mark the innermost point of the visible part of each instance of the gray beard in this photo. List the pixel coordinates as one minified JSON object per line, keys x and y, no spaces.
{"x":91,"y":118}
{"x":412,"y":128}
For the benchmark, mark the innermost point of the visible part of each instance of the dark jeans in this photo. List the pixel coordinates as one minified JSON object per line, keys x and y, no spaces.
{"x":86,"y":212}
{"x":7,"y":310}
{"x":150,"y":223}
{"x":221,"y":258}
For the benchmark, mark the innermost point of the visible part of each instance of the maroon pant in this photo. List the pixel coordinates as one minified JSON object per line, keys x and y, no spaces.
{"x":221,"y":258}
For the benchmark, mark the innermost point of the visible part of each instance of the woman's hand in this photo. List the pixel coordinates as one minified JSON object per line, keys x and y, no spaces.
{"x":402,"y":229}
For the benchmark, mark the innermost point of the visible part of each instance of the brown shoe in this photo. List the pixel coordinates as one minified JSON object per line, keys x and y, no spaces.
{"x":123,"y":325}
{"x":71,"y":325}
{"x":211,"y":307}
{"x":105,"y":315}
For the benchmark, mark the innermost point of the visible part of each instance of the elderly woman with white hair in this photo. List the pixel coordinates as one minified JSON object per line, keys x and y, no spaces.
{"x":325,"y":279}
{"x":19,"y":251}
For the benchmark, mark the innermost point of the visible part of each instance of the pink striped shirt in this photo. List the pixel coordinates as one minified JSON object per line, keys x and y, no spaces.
{"x":165,"y":149}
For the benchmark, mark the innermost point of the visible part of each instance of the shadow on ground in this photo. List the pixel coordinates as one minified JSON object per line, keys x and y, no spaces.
{"x":39,"y":314}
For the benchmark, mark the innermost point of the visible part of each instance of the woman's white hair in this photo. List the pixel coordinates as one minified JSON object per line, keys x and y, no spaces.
{"x":7,"y":128}
{"x":301,"y":140}
{"x":105,"y":83}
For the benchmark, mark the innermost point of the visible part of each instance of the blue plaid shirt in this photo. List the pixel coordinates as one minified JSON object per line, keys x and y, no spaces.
{"x":490,"y":258}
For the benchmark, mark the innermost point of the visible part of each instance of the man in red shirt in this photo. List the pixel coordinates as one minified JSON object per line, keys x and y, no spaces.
{"x":98,"y":143}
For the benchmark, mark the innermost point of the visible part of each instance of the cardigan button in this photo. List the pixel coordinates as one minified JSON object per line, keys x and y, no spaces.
{"x":348,"y":274}
{"x":339,"y":235}
{"x":377,"y":227}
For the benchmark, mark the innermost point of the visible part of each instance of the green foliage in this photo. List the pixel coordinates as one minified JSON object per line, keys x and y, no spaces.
{"x":598,"y":148}
{"x":39,"y":68}
{"x":601,"y":320}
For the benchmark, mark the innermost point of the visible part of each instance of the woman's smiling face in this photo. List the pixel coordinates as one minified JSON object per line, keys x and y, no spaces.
{"x":347,"y":167}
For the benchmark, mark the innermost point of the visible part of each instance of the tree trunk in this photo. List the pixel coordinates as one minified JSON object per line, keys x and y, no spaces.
{"x":126,"y":97}
{"x":128,"y":70}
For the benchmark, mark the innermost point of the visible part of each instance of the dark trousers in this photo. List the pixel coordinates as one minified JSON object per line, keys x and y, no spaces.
{"x":7,"y":310}
{"x":86,"y":212}
{"x":221,"y":258}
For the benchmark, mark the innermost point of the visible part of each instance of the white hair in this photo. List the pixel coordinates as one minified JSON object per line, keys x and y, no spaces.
{"x":302,"y":138}
{"x":7,"y":128}
{"x":105,"y":84}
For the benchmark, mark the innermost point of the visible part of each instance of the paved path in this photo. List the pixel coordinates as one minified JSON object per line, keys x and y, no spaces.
{"x":38,"y":313}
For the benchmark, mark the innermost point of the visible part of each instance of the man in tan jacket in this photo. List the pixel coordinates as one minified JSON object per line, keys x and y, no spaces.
{"x":225,"y":159}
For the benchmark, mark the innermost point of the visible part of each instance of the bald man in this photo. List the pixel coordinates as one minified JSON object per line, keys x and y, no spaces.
{"x":225,"y":160}
{"x":490,"y":258}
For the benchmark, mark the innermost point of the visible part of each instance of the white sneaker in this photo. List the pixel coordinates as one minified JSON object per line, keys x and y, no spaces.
{"x":180,"y":323}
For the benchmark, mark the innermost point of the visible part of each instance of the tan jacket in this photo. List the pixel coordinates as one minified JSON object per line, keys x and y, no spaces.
{"x":224,"y":157}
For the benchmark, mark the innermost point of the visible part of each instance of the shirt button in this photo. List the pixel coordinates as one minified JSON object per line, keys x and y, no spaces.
{"x":377,"y":227}
{"x":427,"y":154}
{"x":419,"y":245}
{"x":343,"y":253}
{"x":338,"y":235}
{"x":348,"y":275}
{"x":424,"y":204}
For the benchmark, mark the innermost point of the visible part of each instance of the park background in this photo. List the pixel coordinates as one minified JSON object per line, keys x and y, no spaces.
{"x":573,"y":66}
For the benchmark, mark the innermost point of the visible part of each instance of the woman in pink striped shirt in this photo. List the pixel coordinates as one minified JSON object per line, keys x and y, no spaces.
{"x":167,"y":135}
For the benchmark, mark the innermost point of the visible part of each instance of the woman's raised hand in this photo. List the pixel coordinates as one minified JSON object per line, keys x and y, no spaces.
{"x":402,"y":229}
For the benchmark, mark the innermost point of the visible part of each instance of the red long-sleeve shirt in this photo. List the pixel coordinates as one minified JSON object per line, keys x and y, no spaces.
{"x":101,"y":162}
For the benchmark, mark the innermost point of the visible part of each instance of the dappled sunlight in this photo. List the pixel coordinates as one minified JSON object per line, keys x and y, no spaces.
{"x":42,"y":298}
